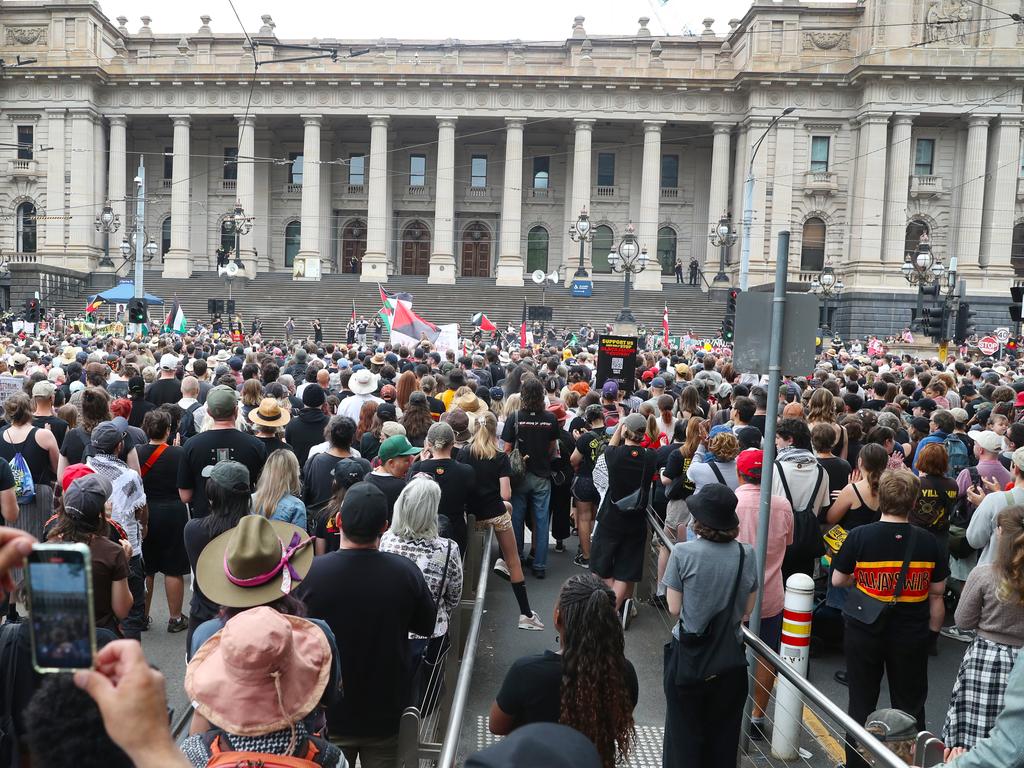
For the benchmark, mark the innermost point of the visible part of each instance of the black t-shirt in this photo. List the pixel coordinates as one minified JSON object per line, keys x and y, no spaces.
{"x":938,"y":500}
{"x":532,"y":689}
{"x":533,"y":431}
{"x":390,"y":485}
{"x":371,"y":600}
{"x":161,"y":480}
{"x":328,"y":530}
{"x":676,"y":469}
{"x":164,"y":391}
{"x":139,"y":410}
{"x":838,"y":472}
{"x":73,"y":445}
{"x":875,"y":405}
{"x":485,"y":499}
{"x":436,"y":406}
{"x":317,"y":480}
{"x":591,"y":445}
{"x":197,"y":537}
{"x":629,"y":466}
{"x":55,"y":424}
{"x":274,"y":444}
{"x":206,"y":449}
{"x":456,"y":480}
{"x":758,"y":421}
{"x":874,"y":554}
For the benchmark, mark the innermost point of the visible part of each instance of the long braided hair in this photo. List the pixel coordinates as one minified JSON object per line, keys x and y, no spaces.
{"x":595,"y":699}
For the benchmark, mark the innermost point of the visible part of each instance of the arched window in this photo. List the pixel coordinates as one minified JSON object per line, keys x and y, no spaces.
{"x":25,"y":228}
{"x":227,"y":236}
{"x":812,"y":248}
{"x":1017,"y":250}
{"x":165,"y":237}
{"x":604,"y":241}
{"x":353,"y":246}
{"x":537,"y":249}
{"x":667,"y":250}
{"x":915,"y":228}
{"x":292,"y":236}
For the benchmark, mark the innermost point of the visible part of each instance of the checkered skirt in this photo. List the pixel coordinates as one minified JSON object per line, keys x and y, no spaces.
{"x":978,"y":692}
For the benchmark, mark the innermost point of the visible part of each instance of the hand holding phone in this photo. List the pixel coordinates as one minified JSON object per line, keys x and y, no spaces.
{"x":61,"y":620}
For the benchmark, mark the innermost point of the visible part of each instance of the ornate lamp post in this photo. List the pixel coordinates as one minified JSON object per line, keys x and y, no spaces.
{"x":106,"y":222}
{"x":827,"y":284}
{"x":240,"y":224}
{"x":924,"y":268}
{"x":723,"y":237}
{"x":628,"y":259}
{"x":582,"y":232}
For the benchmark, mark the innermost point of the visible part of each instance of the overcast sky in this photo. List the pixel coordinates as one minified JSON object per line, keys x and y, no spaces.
{"x":464,"y":19}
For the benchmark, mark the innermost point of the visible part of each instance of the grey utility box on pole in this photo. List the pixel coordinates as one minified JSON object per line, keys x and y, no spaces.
{"x":753,"y":332}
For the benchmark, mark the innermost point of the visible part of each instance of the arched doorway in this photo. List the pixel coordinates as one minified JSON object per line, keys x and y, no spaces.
{"x":292,"y":242}
{"x":812,"y":246}
{"x":915,"y":228}
{"x":667,"y":250}
{"x":537,"y":249}
{"x":353,"y":246}
{"x":165,"y":237}
{"x":25,"y":228}
{"x":604,"y":241}
{"x":476,"y":251}
{"x":416,"y":249}
{"x":1017,"y":249}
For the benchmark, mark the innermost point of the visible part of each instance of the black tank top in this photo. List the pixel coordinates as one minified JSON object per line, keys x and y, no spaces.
{"x":38,"y":460}
{"x":861,"y":515}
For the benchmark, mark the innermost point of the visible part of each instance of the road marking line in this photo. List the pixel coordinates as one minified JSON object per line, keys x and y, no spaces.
{"x":822,"y":735}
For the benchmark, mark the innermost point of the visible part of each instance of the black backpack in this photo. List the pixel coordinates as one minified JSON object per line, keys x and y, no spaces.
{"x":187,"y":427}
{"x":10,"y":658}
{"x":807,"y":540}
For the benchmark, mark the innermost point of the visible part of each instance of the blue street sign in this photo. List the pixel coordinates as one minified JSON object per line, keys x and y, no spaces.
{"x":582,"y":289}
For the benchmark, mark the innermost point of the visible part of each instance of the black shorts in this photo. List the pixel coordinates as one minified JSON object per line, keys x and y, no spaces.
{"x":583,"y":489}
{"x":618,"y":553}
{"x":163,"y":549}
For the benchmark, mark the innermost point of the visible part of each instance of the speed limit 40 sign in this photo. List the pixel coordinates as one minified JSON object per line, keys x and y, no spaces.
{"x":1002,"y":335}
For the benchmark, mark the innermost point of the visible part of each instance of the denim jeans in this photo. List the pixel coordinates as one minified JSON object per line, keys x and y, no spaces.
{"x":133,"y":623}
{"x":534,"y":492}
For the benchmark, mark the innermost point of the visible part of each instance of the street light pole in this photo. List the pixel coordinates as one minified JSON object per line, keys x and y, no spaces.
{"x":629,"y":259}
{"x":106,"y":222}
{"x":748,"y":201}
{"x":140,"y":222}
{"x":723,"y":236}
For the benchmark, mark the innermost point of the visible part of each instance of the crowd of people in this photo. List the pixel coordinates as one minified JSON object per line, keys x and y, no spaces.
{"x":320,"y":497}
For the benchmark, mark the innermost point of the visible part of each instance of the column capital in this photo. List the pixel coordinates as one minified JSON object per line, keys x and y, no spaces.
{"x":653,"y":126}
{"x":515,"y":122}
{"x":118,"y":120}
{"x":181,"y":119}
{"x":311,"y":119}
{"x":246,"y":120}
{"x":446,"y":121}
{"x":583,"y":123}
{"x":1010,"y":121}
{"x":84,"y":112}
{"x":903,"y":118}
{"x":979,"y":120}
{"x":872,"y":118}
{"x":379,"y":120}
{"x":720,"y":128}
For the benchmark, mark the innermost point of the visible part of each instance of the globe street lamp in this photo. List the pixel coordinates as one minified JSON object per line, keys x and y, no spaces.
{"x":240,"y":224}
{"x":628,"y":259}
{"x":723,"y":237}
{"x":827,"y":284}
{"x":106,"y":222}
{"x":582,"y":232}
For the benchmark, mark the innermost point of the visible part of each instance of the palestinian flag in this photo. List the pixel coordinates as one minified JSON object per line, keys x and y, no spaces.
{"x":388,"y":302}
{"x":409,"y":328}
{"x":480,"y":321}
{"x":175,"y":321}
{"x":522,"y":327}
{"x":95,"y":304}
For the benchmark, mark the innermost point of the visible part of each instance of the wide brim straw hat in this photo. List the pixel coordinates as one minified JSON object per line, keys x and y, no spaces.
{"x":269,"y":414}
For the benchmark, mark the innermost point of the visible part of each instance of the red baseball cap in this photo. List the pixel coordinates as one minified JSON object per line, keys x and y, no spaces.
{"x":72,"y":473}
{"x":750,"y":462}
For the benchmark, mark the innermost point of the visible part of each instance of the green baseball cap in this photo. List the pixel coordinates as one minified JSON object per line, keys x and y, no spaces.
{"x":230,"y":475}
{"x":221,"y":401}
{"x":396,"y":446}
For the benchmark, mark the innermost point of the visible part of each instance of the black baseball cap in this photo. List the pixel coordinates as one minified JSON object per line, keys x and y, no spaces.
{"x":364,"y":512}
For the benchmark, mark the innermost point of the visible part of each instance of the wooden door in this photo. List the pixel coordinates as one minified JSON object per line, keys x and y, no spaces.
{"x":353,"y":246}
{"x":476,"y":259}
{"x":416,"y":250}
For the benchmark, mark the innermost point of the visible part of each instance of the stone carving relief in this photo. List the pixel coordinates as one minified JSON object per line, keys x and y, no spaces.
{"x":26,"y":36}
{"x":826,"y":41}
{"x":948,"y":22}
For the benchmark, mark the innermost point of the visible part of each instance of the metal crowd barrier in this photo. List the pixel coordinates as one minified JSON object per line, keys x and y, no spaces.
{"x":810,"y":696}
{"x":431,"y":732}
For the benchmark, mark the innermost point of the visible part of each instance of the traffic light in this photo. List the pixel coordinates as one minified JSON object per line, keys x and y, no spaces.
{"x":933,"y":322}
{"x":729,"y":321}
{"x":964,"y":322}
{"x":1016,"y":298}
{"x":137,"y":311}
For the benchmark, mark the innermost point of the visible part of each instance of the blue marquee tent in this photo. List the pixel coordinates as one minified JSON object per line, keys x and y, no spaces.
{"x":123,"y":292}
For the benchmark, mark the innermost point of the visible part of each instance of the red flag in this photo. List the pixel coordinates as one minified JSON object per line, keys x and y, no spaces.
{"x":353,"y":310}
{"x":481,"y":321}
{"x":664,"y":324}
{"x":408,"y":323}
{"x":522,"y":327}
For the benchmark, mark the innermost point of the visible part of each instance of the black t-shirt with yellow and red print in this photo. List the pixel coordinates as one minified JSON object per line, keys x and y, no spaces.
{"x":874,"y":554}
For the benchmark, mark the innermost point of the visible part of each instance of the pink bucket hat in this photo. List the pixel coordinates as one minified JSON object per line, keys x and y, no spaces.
{"x":262,"y":673}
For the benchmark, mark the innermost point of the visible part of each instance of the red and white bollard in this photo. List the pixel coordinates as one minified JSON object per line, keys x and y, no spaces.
{"x":795,"y":651}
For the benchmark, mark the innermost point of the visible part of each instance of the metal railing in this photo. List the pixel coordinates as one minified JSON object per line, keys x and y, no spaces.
{"x":840,"y":720}
{"x":431,"y":731}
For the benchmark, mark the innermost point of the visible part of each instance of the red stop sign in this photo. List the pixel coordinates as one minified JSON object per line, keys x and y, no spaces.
{"x":988,"y":345}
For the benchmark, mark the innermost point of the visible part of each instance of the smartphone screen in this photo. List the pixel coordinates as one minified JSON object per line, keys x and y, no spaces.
{"x":60,"y":607}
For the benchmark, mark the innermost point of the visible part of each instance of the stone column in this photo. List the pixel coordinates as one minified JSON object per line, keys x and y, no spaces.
{"x":972,"y":193}
{"x":718,"y":197}
{"x":178,"y":261}
{"x":1001,"y":196}
{"x":782,"y":188}
{"x":307,"y":265}
{"x":82,"y":251}
{"x":375,"y":261}
{"x":866,"y":228}
{"x":896,"y":188}
{"x":326,"y":208}
{"x":117,"y":172}
{"x":442,"y":260}
{"x":245,"y":189}
{"x":650,"y":195}
{"x":580,"y":196}
{"x":754,"y":219}
{"x":511,"y":264}
{"x":54,"y":229}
